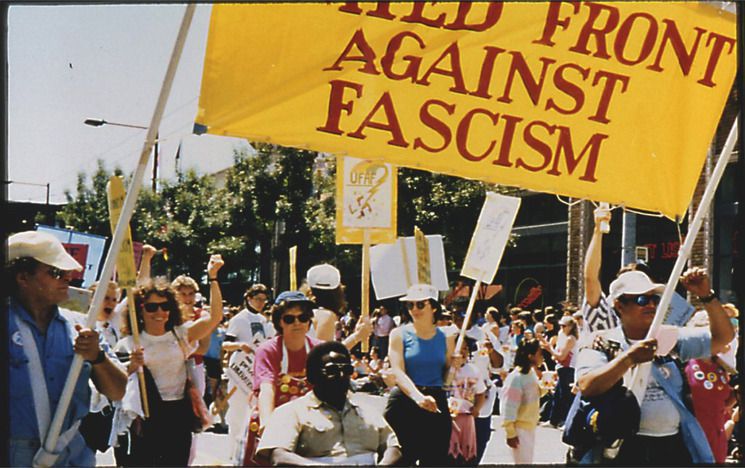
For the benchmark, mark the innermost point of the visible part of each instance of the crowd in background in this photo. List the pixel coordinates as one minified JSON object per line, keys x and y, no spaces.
{"x":439,"y":400}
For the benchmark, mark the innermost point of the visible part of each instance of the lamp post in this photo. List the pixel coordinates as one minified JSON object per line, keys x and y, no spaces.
{"x":102,"y":122}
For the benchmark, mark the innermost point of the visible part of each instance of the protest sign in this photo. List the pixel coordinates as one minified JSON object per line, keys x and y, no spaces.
{"x":490,"y":237}
{"x":576,"y":98}
{"x":394,"y":266}
{"x":78,"y":300}
{"x":95,"y":243}
{"x":240,"y":370}
{"x":366,"y":198}
{"x":80,"y":253}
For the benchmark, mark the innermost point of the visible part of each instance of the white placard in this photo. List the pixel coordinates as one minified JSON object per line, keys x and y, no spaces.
{"x":490,"y":237}
{"x":387,"y":266}
{"x":368,"y":194}
{"x":240,"y":371}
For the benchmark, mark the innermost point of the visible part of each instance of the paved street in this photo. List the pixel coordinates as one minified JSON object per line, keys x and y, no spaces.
{"x":212,"y":448}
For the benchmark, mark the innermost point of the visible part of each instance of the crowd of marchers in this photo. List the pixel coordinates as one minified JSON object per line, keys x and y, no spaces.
{"x":322,"y":384}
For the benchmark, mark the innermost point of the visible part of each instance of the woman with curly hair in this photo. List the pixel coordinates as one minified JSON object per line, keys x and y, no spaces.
{"x":166,"y":342}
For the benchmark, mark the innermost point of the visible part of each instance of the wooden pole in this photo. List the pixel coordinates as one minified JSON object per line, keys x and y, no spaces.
{"x":365,"y":294}
{"x":45,"y":455}
{"x":293,"y":268}
{"x":462,"y":333}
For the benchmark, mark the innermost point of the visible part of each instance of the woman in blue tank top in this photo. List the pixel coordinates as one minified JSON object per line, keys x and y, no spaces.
{"x":417,"y":408}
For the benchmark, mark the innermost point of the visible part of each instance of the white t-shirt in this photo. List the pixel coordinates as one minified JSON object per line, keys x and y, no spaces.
{"x":165,"y":359}
{"x":467,"y":383}
{"x":251,"y":328}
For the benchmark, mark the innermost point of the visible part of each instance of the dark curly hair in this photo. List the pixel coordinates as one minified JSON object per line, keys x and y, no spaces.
{"x":279,"y":309}
{"x":161,"y":288}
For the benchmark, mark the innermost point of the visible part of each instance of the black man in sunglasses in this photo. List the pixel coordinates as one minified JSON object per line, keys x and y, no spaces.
{"x":329,"y":425}
{"x":667,"y":433}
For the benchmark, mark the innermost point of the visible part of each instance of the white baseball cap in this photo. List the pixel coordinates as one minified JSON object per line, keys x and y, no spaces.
{"x":634,"y":282}
{"x":420,"y":292}
{"x":42,"y":247}
{"x":324,"y":276}
{"x":565,"y":320}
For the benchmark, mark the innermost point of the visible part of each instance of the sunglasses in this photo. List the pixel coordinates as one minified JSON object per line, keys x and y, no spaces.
{"x":642,"y":299}
{"x":333,"y":370}
{"x":154,"y":306}
{"x":290,"y":319}
{"x":56,"y":273}
{"x":417,"y":304}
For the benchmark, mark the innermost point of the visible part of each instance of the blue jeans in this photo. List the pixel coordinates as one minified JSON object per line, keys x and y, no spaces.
{"x":563,"y":396}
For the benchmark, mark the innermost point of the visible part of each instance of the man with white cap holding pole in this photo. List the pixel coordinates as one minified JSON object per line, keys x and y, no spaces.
{"x":41,"y":345}
{"x":668,"y":433}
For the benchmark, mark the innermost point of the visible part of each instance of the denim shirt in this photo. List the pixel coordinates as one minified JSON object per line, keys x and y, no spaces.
{"x":691,"y":343}
{"x":55,"y":348}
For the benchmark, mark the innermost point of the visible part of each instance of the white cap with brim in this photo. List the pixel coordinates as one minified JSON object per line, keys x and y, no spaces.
{"x":420,"y":292}
{"x":42,"y":247}
{"x":634,"y":282}
{"x":565,"y":320}
{"x":324,"y":276}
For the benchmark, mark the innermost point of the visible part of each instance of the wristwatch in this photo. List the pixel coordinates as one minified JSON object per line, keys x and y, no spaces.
{"x":101,"y":357}
{"x":706,"y":299}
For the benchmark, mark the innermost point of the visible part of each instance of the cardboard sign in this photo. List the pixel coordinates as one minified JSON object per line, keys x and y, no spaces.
{"x":125,"y":263}
{"x":366,"y":199}
{"x":78,"y":300}
{"x":679,"y":311}
{"x":96,"y":246}
{"x":490,"y":237}
{"x":240,"y":371}
{"x":394,"y":266}
{"x":80,"y":253}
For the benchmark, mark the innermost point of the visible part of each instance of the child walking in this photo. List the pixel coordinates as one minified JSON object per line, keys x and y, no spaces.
{"x":467,"y":397}
{"x":519,"y":402}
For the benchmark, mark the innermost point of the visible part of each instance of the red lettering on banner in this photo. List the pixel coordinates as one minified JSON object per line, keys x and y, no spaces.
{"x":564,"y":145}
{"x":412,"y":69}
{"x":532,"y":86}
{"x":716,"y":52}
{"x":391,"y":123}
{"x":451,"y":53}
{"x":541,"y":147}
{"x":671,"y":36}
{"x":336,"y":105}
{"x":610,"y":85}
{"x":487,"y":70}
{"x":417,"y":16}
{"x":367,"y":55}
{"x":461,"y":135}
{"x":619,"y":45}
{"x":568,"y":88}
{"x":598,"y":32}
{"x":492,"y":15}
{"x":435,"y":124}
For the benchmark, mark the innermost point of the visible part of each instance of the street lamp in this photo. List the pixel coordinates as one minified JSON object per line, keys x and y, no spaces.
{"x":102,"y":122}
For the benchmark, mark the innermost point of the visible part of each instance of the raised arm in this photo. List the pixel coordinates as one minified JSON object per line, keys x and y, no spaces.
{"x":204,"y":326}
{"x":361,"y":332}
{"x":593,"y":259}
{"x":696,"y":281}
{"x":148,"y":251}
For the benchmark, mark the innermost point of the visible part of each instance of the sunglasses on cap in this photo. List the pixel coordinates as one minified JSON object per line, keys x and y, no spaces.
{"x":642,"y":299}
{"x":154,"y":306}
{"x":302,"y":318}
{"x":417,"y":304}
{"x":334,"y":370}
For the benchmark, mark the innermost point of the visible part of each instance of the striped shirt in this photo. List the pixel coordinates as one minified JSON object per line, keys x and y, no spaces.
{"x":520,"y":402}
{"x":600,"y":317}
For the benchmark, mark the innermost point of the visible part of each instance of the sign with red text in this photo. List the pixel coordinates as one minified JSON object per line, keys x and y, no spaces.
{"x":366,"y":198}
{"x":611,"y":101}
{"x":80,"y":253}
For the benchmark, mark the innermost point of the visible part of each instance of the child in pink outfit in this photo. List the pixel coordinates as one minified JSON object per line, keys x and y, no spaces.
{"x":467,"y":397}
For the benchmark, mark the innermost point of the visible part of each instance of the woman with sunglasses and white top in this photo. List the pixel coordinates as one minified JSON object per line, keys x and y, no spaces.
{"x":279,"y":365}
{"x":420,"y":356}
{"x":164,"y":439}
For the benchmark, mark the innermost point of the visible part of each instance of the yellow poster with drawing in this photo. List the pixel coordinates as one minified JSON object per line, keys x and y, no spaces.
{"x":366,"y":199}
{"x":608,"y":101}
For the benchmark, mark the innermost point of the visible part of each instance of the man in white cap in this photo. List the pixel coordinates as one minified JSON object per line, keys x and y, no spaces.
{"x":327,"y":292}
{"x":41,"y":346}
{"x":668,"y":433}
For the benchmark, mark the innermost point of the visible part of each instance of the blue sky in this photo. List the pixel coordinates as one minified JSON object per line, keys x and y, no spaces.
{"x":70,"y":63}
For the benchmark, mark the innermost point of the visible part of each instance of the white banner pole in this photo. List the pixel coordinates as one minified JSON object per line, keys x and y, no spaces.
{"x":45,"y":456}
{"x":640,"y":376}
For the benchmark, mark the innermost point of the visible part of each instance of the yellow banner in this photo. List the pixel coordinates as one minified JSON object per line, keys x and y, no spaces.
{"x":614,"y":101}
